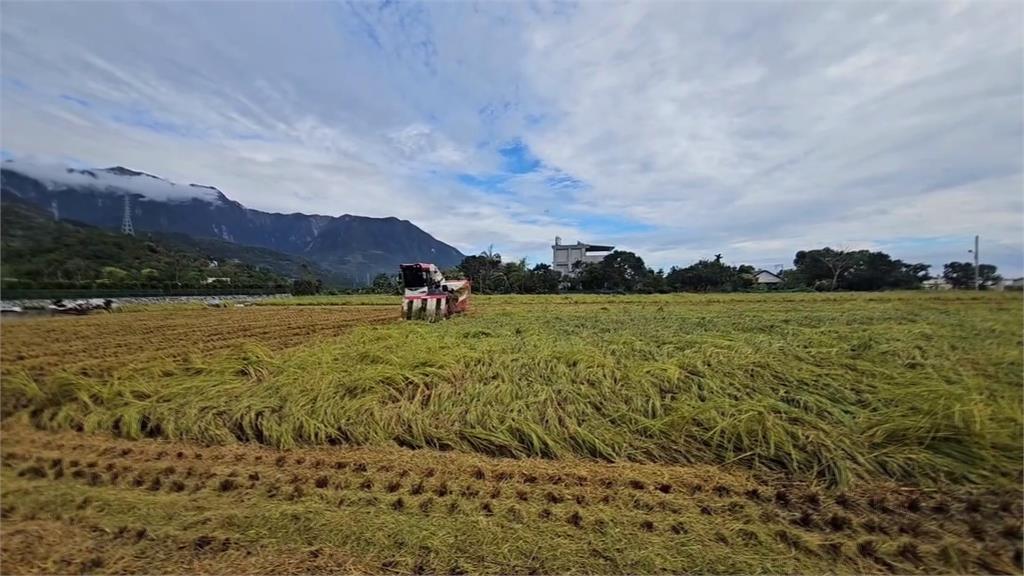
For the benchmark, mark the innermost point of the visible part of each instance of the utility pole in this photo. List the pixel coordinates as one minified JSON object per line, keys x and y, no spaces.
{"x":977,"y":280}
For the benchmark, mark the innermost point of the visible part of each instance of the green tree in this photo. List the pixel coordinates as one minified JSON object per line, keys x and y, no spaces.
{"x":455,"y":273}
{"x":916,"y":273}
{"x":651,"y":282}
{"x":622,"y":270}
{"x":854,"y":270}
{"x":590,"y":275}
{"x":879,"y":271}
{"x":385,"y":284}
{"x":709,"y":276}
{"x":824,"y":265}
{"x":306,"y":287}
{"x":113,"y":275}
{"x":484,"y":271}
{"x":515,"y":276}
{"x":544,"y":280}
{"x":76,"y":269}
{"x":960,"y":275}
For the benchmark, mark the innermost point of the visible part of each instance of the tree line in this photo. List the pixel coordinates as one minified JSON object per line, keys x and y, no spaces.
{"x":823,"y":269}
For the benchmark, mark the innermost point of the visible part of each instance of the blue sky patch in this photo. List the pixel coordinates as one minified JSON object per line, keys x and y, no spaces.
{"x":518,"y":159}
{"x":610,"y":225}
{"x":486,"y":182}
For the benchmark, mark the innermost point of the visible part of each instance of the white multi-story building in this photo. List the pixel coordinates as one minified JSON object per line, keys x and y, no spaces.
{"x":565,"y":255}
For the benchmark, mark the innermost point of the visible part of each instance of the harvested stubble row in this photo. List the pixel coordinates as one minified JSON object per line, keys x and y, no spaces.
{"x":164,"y":506}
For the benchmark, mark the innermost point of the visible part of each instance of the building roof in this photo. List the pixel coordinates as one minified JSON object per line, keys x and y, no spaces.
{"x":586,"y":247}
{"x":772,"y":274}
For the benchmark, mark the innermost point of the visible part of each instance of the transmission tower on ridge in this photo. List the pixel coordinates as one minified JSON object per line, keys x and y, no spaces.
{"x":126,"y":222}
{"x":53,"y":208}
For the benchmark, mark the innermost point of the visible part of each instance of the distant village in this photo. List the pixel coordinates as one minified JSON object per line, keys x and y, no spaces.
{"x":571,"y":259}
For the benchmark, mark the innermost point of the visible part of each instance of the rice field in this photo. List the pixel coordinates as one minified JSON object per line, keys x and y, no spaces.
{"x":103,"y":344}
{"x":707,"y":433}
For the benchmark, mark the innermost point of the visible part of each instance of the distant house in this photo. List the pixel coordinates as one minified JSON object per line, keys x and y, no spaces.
{"x":766,"y":278}
{"x":1009,"y":284}
{"x":216,"y":280}
{"x":936,"y":284}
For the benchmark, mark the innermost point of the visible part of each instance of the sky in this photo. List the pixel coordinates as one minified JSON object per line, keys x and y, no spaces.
{"x":678,"y":130}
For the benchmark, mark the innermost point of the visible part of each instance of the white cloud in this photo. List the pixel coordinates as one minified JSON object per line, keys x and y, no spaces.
{"x":730,"y":129}
{"x":418,"y":142}
{"x":55,"y":176}
{"x":748,"y":129}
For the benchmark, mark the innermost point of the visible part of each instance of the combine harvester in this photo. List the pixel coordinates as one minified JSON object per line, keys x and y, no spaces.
{"x":428,"y":296}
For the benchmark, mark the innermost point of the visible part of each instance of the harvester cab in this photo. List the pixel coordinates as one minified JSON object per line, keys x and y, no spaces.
{"x":428,"y":296}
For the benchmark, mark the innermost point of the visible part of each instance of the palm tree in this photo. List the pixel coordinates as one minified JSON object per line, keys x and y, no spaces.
{"x":491,"y":268}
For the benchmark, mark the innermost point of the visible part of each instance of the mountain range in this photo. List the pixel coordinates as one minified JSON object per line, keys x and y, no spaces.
{"x":42,"y":253}
{"x":352,"y":249}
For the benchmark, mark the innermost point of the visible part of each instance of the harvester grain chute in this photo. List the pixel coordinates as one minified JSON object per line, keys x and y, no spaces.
{"x":428,"y":296}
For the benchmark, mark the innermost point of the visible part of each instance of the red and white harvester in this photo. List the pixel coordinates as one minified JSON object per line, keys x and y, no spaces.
{"x":428,"y":296}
